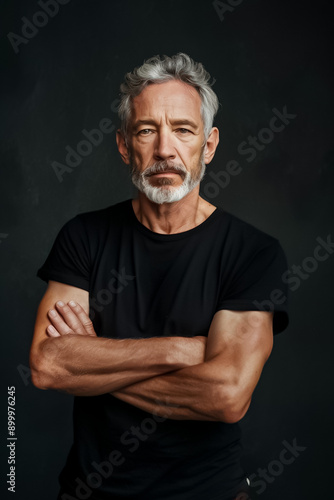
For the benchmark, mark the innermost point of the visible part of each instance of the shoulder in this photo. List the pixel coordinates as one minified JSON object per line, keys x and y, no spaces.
{"x":239,"y":232}
{"x":247,"y":247}
{"x":101,"y":219}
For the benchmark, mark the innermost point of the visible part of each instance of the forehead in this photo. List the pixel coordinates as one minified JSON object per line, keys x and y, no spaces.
{"x":174,"y":98}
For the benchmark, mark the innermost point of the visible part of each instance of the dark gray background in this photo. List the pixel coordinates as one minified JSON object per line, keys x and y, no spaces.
{"x":262,"y":55}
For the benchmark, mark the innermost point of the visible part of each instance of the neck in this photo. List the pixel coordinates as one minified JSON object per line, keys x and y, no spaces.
{"x":176,"y":217}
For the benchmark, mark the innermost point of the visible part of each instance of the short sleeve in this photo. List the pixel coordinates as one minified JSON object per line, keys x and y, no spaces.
{"x":257,"y":285}
{"x":68,"y":261}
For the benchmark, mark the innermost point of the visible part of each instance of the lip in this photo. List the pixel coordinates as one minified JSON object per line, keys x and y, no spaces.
{"x":167,"y":172}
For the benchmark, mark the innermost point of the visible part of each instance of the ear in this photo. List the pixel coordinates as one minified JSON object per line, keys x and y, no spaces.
{"x":211,"y":145}
{"x":122,"y":147}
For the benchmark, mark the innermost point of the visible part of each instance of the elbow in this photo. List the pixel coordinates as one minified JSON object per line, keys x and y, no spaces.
{"x":43,"y":367}
{"x":230,"y":406}
{"x":39,"y":376}
{"x":234,"y":414}
{"x":38,"y":379}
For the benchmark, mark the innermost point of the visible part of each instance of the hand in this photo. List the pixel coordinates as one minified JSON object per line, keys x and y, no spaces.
{"x":69,"y":319}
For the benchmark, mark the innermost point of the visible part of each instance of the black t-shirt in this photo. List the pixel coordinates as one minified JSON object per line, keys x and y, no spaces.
{"x":144,"y":284}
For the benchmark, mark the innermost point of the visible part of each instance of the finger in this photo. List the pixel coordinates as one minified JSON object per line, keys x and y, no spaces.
{"x":70,"y":318}
{"x":58,"y":322}
{"x":83,"y":317}
{"x":52,"y":332}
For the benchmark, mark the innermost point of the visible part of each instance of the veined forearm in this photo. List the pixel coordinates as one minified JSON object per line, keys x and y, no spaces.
{"x":191,"y":393}
{"x":88,"y":366}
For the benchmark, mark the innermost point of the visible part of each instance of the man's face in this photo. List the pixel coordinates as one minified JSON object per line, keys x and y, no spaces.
{"x":166,"y":138}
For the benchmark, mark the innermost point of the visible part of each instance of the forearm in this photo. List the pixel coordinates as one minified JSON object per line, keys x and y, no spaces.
{"x":190,"y":393}
{"x":220,"y":388}
{"x":89,"y":366}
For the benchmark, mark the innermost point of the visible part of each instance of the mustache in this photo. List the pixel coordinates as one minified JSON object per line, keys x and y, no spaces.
{"x":165,"y":166}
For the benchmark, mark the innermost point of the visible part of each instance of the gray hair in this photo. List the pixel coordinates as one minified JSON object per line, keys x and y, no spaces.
{"x":158,"y":70}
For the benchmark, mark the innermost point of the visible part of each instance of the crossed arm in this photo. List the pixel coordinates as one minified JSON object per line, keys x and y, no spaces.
{"x":178,"y":377}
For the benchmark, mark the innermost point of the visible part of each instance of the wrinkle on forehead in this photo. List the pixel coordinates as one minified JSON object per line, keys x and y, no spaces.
{"x":174,"y":98}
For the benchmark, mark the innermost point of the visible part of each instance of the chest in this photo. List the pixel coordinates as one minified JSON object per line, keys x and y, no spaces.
{"x":142,"y":288}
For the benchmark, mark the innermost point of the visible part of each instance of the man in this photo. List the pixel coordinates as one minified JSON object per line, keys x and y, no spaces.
{"x":175,"y":288}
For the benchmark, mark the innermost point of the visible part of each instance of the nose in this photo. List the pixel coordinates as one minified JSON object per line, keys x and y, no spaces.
{"x":164,"y":148}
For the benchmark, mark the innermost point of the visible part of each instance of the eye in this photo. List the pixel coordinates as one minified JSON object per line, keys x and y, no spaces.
{"x":184,"y":131}
{"x":144,"y":131}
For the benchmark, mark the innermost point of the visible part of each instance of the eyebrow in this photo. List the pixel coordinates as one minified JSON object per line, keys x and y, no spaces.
{"x":179,"y":121}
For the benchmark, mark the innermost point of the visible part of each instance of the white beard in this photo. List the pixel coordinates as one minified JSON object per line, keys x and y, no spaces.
{"x":166,"y":193}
